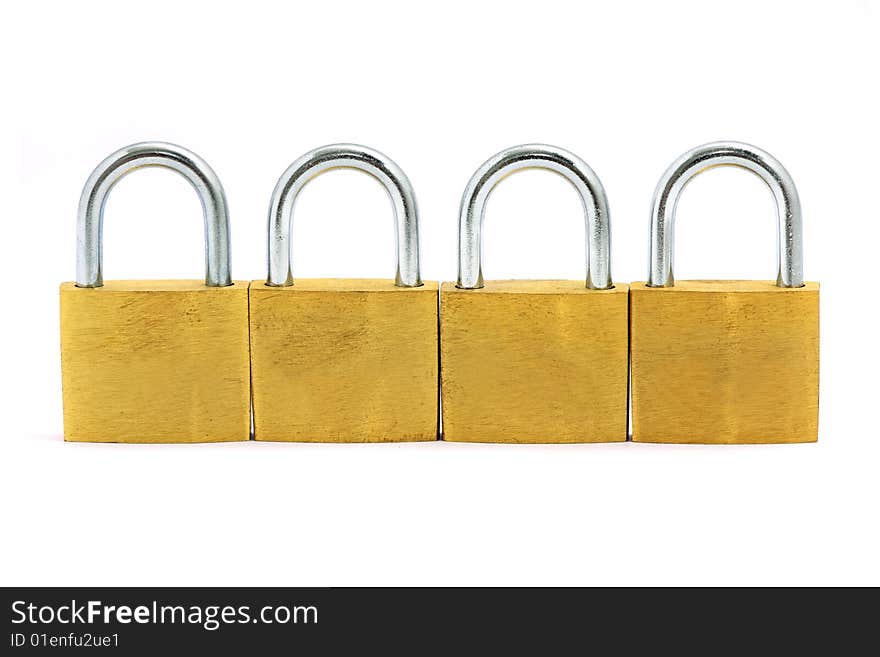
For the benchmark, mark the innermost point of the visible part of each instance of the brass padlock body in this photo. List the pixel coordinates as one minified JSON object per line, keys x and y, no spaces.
{"x":725,"y":362}
{"x":344,"y":360}
{"x":534,"y":362}
{"x":155,"y":362}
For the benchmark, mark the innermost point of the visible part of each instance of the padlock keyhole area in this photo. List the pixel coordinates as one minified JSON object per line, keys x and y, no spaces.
{"x":154,"y":228}
{"x":726,"y":211}
{"x":343,"y":227}
{"x":534,"y":217}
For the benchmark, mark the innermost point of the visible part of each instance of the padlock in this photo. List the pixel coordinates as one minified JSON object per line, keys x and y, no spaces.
{"x":725,"y":361}
{"x":534,"y":361}
{"x":344,"y":360}
{"x":154,"y":361}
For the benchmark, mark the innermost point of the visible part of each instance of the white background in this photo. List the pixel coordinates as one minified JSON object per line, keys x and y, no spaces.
{"x":439,"y":88}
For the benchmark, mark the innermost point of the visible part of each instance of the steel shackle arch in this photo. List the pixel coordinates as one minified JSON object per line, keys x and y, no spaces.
{"x":790,"y":267}
{"x":90,"y":217}
{"x":344,"y":156}
{"x":534,"y":156}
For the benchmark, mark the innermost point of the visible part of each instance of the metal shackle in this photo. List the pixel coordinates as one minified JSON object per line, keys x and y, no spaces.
{"x":534,"y":156}
{"x":727,"y":153}
{"x":90,"y":218}
{"x":344,"y":156}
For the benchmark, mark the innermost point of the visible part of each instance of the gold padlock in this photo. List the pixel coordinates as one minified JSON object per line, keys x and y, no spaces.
{"x":344,"y":360}
{"x":154,"y":361}
{"x":725,"y":361}
{"x":534,"y":361}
